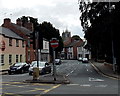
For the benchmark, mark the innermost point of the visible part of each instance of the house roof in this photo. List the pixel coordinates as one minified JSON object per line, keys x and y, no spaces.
{"x":75,"y":43}
{"x":23,"y":29}
{"x":8,"y":33}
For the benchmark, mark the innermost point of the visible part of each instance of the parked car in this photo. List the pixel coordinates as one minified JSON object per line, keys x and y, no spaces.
{"x":85,"y":60}
{"x":44,"y":67}
{"x":80,"y":59}
{"x":57,"y":61}
{"x":18,"y":68}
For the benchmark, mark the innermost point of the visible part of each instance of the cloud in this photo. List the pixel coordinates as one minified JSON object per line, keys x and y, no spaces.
{"x":61,"y":13}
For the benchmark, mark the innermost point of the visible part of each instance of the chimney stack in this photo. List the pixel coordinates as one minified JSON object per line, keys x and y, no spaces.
{"x":7,"y":21}
{"x":29,"y":25}
{"x":19,"y":22}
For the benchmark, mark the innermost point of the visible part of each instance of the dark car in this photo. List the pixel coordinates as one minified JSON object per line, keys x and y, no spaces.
{"x":44,"y":67}
{"x":18,"y":68}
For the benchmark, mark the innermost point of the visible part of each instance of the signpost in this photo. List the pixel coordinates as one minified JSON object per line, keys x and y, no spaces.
{"x":54,"y":44}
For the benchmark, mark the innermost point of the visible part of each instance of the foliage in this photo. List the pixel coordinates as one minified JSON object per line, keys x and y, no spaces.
{"x":76,"y":37}
{"x":100,"y":21}
{"x":46,"y":28}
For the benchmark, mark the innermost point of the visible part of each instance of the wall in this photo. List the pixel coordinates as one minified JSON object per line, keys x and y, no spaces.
{"x":11,"y":50}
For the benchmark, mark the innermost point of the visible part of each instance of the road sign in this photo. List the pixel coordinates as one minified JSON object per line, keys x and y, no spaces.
{"x":54,"y":43}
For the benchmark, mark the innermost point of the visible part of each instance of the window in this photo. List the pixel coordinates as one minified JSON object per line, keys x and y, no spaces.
{"x":10,"y":59}
{"x":16,"y":58}
{"x":45,"y":45}
{"x":28,"y":55}
{"x":17,"y":43}
{"x":2,"y":60}
{"x":23,"y":43}
{"x":20,"y":58}
{"x":28,"y":43}
{"x":10,"y":41}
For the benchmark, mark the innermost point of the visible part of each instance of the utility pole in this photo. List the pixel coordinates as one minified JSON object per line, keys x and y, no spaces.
{"x":113,"y":53}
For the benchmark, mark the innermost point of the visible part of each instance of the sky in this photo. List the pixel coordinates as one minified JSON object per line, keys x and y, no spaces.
{"x":63,"y":14}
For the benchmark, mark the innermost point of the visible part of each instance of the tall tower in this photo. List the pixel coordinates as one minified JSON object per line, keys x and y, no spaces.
{"x":66,"y":34}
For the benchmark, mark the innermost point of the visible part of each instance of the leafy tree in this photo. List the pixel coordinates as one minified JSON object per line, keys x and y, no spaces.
{"x":50,"y":32}
{"x":46,"y":29}
{"x":76,"y":37}
{"x":100,"y":21}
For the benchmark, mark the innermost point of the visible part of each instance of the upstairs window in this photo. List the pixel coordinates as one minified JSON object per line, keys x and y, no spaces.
{"x":10,"y":41}
{"x":23,"y":44}
{"x":17,"y":43}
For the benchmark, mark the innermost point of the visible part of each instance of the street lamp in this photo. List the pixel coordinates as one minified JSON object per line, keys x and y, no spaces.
{"x":113,"y":53}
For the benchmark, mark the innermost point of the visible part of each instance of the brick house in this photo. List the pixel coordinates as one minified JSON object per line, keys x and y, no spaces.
{"x":82,"y":52}
{"x":23,"y":32}
{"x":70,"y":46}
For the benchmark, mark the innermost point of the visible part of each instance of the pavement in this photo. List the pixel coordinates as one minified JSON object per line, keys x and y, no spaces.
{"x":105,"y":69}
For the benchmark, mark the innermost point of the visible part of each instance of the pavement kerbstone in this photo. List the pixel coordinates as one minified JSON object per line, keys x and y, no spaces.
{"x":106,"y":70}
{"x":49,"y":79}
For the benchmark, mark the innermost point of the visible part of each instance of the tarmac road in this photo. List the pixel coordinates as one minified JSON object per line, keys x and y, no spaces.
{"x":82,"y":76}
{"x":84,"y":80}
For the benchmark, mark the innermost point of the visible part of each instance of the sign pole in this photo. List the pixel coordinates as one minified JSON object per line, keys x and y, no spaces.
{"x":54,"y":67}
{"x":54,"y":44}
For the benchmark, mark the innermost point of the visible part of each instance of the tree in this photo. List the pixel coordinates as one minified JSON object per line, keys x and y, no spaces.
{"x":45,"y":29}
{"x":50,"y":32}
{"x":100,"y":21}
{"x":76,"y":37}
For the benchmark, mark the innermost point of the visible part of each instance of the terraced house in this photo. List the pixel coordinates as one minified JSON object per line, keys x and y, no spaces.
{"x":12,"y":48}
{"x":15,"y":44}
{"x":23,"y":32}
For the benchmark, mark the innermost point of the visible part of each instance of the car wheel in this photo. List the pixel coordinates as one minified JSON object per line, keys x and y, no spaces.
{"x":43,"y":71}
{"x":50,"y":71}
{"x":30,"y":73}
{"x":22,"y":71}
{"x":9,"y":73}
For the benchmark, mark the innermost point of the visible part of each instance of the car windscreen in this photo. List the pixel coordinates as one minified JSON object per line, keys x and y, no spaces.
{"x":19,"y":64}
{"x":41,"y":64}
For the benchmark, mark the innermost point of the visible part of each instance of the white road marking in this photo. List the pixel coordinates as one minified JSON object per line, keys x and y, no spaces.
{"x":85,"y":85}
{"x":101,"y":86}
{"x":94,"y":79}
{"x":72,"y":84}
{"x":70,"y":72}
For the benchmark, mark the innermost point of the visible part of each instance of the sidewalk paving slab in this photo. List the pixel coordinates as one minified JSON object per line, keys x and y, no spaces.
{"x":105,"y":69}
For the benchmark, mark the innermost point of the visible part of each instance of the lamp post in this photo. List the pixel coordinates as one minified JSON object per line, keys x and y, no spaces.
{"x":113,"y":51}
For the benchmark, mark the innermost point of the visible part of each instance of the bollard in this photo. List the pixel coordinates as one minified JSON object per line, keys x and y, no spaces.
{"x":35,"y":73}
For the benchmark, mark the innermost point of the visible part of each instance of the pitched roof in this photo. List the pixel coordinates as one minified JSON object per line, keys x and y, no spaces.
{"x":8,"y":33}
{"x":75,"y":43}
{"x":23,"y":29}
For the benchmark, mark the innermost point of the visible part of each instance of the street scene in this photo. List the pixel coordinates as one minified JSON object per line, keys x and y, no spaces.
{"x":59,"y":48}
{"x":82,"y":76}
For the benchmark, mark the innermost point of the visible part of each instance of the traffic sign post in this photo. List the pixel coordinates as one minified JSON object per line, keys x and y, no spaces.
{"x":54,"y":44}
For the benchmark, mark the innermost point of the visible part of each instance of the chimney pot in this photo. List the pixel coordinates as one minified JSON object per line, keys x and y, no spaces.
{"x":7,"y":21}
{"x":19,"y":22}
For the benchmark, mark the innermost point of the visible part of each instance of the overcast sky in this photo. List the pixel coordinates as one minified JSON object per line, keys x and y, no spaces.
{"x":61,"y":13}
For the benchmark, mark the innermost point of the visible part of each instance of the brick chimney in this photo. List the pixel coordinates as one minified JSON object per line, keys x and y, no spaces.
{"x":19,"y":22}
{"x":29,"y":26}
{"x":7,"y":21}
